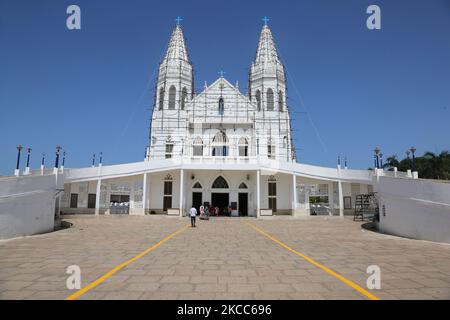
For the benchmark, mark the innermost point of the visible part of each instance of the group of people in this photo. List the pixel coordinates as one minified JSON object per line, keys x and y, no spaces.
{"x":204,"y":213}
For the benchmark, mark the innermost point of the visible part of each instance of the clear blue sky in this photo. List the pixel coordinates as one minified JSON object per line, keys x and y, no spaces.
{"x":350,"y":89}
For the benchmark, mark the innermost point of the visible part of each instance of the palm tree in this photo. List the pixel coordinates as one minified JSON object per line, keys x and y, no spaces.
{"x":391,"y":162}
{"x":434,"y":166}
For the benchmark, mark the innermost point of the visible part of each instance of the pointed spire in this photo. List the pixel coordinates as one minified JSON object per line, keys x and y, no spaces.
{"x":267,"y":52}
{"x":176,"y":48}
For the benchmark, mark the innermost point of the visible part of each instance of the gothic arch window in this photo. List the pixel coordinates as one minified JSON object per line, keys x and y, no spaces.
{"x":220,"y":145}
{"x":243,"y":186}
{"x":258,"y":100}
{"x":172,"y":97}
{"x":220,"y":183}
{"x":197,"y":185}
{"x":183,"y":98}
{"x":270,"y":99}
{"x":243,"y":147}
{"x":197,"y":146}
{"x":280,"y":101}
{"x":169,"y":149}
{"x":270,"y":149}
{"x":161,"y":98}
{"x":221,"y":106}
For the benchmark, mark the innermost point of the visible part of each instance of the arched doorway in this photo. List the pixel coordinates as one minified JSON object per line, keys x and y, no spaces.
{"x":220,"y":196}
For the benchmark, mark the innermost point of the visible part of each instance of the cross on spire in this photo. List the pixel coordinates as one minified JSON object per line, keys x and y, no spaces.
{"x":178,"y":20}
{"x":221,"y":72}
{"x":265,"y":19}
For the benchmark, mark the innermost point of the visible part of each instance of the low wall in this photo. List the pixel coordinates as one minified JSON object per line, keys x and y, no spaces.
{"x":27,"y":205}
{"x":418,"y":209}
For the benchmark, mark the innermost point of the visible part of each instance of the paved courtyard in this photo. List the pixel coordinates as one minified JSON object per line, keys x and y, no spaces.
{"x":221,"y":259}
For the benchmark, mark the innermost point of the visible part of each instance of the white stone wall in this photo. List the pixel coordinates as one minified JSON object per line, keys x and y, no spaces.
{"x":418,"y":209}
{"x":27,"y":205}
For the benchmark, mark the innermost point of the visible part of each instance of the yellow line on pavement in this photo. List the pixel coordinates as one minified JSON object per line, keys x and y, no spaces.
{"x":122,"y":265}
{"x":327,"y":270}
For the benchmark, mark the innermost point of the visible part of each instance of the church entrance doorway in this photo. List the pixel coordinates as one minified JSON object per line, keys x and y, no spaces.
{"x":197,"y":200}
{"x":221,"y":200}
{"x":243,"y":204}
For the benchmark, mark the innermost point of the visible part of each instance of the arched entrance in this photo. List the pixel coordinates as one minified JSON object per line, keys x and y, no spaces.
{"x":220,"y":196}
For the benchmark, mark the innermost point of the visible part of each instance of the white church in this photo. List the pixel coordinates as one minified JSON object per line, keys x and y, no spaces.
{"x":218,"y":147}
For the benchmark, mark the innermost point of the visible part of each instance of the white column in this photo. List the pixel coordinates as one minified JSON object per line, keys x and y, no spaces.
{"x":258,"y":195}
{"x":331,"y":197}
{"x":97,"y":197}
{"x":144,"y":194}
{"x":181,"y":191}
{"x":294,"y":194}
{"x":341,"y":200}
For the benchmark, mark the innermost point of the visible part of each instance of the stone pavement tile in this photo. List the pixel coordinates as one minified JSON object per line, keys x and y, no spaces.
{"x":296,"y":272}
{"x":343,"y":295}
{"x":203,"y":279}
{"x":234,"y":296}
{"x":14,"y":285}
{"x":310,"y":287}
{"x":408,"y":294}
{"x":402,"y":284}
{"x":50,"y":295}
{"x":216,"y":272}
{"x":234,"y":287}
{"x":158,"y":295}
{"x":271,"y":296}
{"x":123,"y":295}
{"x":432,"y":282}
{"x":262,"y":279}
{"x":111,"y":286}
{"x":243,"y":272}
{"x":198,"y":296}
{"x":438,"y":293}
{"x":277,"y":287}
{"x":175,"y":279}
{"x":211,"y":287}
{"x":143,"y":286}
{"x":234,"y":279}
{"x":338,"y":286}
{"x":93,"y":295}
{"x":16,"y":294}
{"x":305,"y":296}
{"x":177,"y":287}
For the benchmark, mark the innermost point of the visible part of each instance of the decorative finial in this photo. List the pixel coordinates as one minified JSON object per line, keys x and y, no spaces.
{"x":265,"y":19}
{"x":178,"y":20}
{"x":221,"y":72}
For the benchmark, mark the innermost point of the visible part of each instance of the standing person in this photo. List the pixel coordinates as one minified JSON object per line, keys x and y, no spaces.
{"x":207,"y":212}
{"x":202,"y":211}
{"x":216,"y":211}
{"x":193,"y":213}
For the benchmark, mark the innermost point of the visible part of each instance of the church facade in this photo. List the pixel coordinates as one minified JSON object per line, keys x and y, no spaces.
{"x":218,"y":147}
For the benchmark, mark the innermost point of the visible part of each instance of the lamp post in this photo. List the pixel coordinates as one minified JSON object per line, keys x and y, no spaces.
{"x":413,"y":151}
{"x":58,"y":150}
{"x":27,"y":168}
{"x":63,"y":161}
{"x":339,"y":162}
{"x":42,"y":163}
{"x":93,"y":160}
{"x":100,"y":159}
{"x":345,"y":164}
{"x":381,"y":160}
{"x":377,"y":157}
{"x":19,"y":149}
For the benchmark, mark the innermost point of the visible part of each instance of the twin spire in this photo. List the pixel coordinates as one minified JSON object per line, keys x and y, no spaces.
{"x":266,"y":52}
